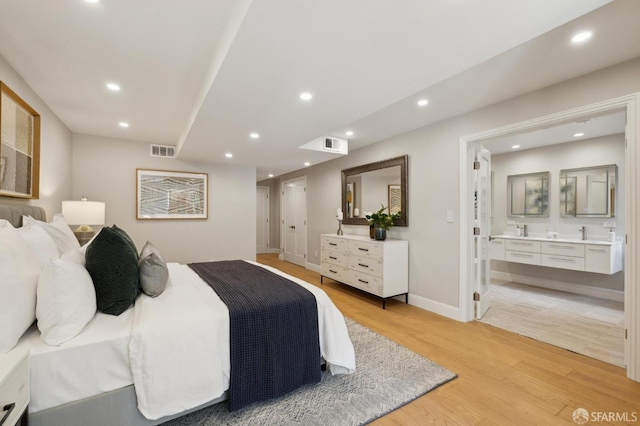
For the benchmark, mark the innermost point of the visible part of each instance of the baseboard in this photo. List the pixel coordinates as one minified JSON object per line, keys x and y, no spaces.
{"x":313,"y":267}
{"x":274,"y":250}
{"x":434,"y":306}
{"x":600,"y":293}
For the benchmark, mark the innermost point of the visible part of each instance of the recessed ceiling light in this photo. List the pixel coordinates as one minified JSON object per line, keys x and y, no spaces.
{"x":92,"y":1}
{"x":580,"y":37}
{"x":349,"y":133}
{"x":270,"y":174}
{"x":228,"y":155}
{"x":515,"y":146}
{"x":306,"y":96}
{"x":307,"y":164}
{"x":423,"y":102}
{"x":577,"y":135}
{"x":123,"y":124}
{"x":254,"y":135}
{"x":113,"y":87}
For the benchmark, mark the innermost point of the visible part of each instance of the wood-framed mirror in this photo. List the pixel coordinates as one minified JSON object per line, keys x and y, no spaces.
{"x":368,"y":187}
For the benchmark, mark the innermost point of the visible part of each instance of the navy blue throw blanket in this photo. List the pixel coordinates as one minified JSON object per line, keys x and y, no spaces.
{"x":275,"y":346}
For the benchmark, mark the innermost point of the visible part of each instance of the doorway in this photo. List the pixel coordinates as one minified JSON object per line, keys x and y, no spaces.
{"x":294,"y":221}
{"x":262,"y":219}
{"x":629,"y":104}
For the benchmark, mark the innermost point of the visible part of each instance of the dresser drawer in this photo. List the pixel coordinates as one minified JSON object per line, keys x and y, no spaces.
{"x":520,"y":245}
{"x":366,"y":282}
{"x":334,"y":257}
{"x":366,"y":265}
{"x":564,"y":249}
{"x":15,"y":389}
{"x":522,"y":257}
{"x":335,"y":272}
{"x":366,"y":249}
{"x":564,"y":262}
{"x":333,"y":244}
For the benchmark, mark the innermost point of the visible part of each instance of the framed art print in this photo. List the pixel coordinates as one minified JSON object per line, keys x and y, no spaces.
{"x":164,"y":194}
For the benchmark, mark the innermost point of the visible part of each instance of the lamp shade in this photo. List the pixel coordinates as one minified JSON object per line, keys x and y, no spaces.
{"x":83,"y":212}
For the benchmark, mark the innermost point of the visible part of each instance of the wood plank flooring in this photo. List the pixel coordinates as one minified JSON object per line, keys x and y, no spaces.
{"x":503,"y":378}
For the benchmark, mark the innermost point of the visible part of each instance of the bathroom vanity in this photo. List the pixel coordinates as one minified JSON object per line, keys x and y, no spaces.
{"x":601,"y":257}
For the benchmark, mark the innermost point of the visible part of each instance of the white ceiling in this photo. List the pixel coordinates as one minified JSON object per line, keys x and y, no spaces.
{"x":203,"y":74}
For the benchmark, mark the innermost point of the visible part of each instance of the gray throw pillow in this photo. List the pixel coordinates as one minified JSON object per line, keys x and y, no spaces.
{"x":154,"y":273}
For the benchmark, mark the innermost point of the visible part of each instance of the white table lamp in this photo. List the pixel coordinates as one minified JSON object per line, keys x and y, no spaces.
{"x":83,"y":213}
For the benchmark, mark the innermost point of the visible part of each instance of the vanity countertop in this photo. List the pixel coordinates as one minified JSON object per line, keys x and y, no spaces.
{"x":560,"y":240}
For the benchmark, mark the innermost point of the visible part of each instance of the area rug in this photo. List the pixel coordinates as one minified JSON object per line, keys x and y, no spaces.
{"x":387,"y":377}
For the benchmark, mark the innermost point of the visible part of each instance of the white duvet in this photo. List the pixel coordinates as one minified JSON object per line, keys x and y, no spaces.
{"x":179,"y":347}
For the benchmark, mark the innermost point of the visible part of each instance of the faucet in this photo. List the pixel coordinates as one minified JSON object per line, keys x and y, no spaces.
{"x":583,"y":230}
{"x":525,"y":231}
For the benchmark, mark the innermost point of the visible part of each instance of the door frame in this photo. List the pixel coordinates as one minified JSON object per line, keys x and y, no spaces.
{"x":282,"y":210}
{"x":268,"y":189}
{"x":630,"y":104}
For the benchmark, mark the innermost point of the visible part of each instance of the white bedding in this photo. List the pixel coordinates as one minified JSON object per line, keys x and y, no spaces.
{"x":184,"y":362}
{"x":174,"y":348}
{"x":93,"y":362}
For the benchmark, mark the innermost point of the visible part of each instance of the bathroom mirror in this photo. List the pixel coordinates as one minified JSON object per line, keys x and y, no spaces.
{"x":366,"y":188}
{"x":588,"y":191}
{"x":528,"y":195}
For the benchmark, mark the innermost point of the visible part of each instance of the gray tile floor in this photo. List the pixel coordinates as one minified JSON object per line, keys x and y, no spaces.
{"x":582,"y":324}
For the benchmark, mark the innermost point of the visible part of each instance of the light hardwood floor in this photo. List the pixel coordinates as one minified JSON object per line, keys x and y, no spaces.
{"x":503,"y":378}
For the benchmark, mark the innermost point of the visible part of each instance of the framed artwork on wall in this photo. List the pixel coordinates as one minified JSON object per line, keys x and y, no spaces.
{"x":19,"y":146}
{"x":165,"y":194}
{"x":395,"y":199}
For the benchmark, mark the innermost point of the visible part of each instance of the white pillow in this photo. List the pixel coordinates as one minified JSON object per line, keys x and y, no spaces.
{"x":58,"y":230}
{"x":40,"y":243}
{"x":76,"y":256}
{"x":19,"y":271}
{"x":66,"y":301}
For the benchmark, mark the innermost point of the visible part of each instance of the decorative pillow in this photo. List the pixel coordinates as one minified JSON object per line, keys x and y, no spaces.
{"x":58,"y":230}
{"x":20,"y":270}
{"x":66,"y":301}
{"x":40,"y":243}
{"x":113,"y":266}
{"x":154,"y":273}
{"x":76,"y":256}
{"x":125,"y":237}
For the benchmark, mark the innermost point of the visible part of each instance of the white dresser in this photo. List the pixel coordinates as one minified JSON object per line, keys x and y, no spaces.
{"x":14,"y":387}
{"x":377,"y":267}
{"x":601,"y":257}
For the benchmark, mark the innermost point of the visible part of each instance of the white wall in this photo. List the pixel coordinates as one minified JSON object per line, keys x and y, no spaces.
{"x":434,"y":176}
{"x":104,"y":169}
{"x":55,"y":147}
{"x":591,"y":152}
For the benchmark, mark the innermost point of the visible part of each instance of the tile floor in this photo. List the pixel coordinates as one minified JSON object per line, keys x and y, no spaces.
{"x":582,"y":324}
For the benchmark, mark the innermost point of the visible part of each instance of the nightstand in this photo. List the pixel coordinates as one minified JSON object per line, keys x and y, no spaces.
{"x":14,"y":387}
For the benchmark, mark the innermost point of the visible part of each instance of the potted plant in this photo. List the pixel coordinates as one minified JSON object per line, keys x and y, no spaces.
{"x":382,"y":222}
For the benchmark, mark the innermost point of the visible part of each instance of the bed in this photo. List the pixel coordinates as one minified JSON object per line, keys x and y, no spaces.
{"x":114,"y":368}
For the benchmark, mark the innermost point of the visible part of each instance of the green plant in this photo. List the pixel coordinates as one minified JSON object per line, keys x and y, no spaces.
{"x":380,"y":219}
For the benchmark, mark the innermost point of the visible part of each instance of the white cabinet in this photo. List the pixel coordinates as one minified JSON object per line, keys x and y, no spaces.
{"x":14,"y":387}
{"x":601,"y":257}
{"x":377,"y":267}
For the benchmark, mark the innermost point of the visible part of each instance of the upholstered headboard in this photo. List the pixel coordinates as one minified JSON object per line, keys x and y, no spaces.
{"x":13,"y":213}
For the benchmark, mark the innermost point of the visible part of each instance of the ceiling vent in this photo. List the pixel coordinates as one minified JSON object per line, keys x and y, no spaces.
{"x":332,"y":144}
{"x":163,"y":151}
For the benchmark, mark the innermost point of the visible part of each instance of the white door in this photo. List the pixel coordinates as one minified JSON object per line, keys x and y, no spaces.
{"x":262,"y":219}
{"x":294,"y":221}
{"x":482,"y":230}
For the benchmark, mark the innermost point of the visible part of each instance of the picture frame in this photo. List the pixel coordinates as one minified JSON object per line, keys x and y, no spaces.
{"x":395,"y":199}
{"x":19,"y":146}
{"x":168,"y":194}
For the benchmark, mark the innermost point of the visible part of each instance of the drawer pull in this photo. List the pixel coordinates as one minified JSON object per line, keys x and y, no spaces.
{"x":331,"y":270}
{"x":517,"y":243}
{"x":562,"y":259}
{"x":597,"y":250}
{"x":521,"y":255}
{"x":363,"y":265}
{"x":332,"y":257}
{"x":562,"y":247}
{"x":8,"y":408}
{"x":363,"y":281}
{"x":333,"y":244}
{"x":363,"y":249}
